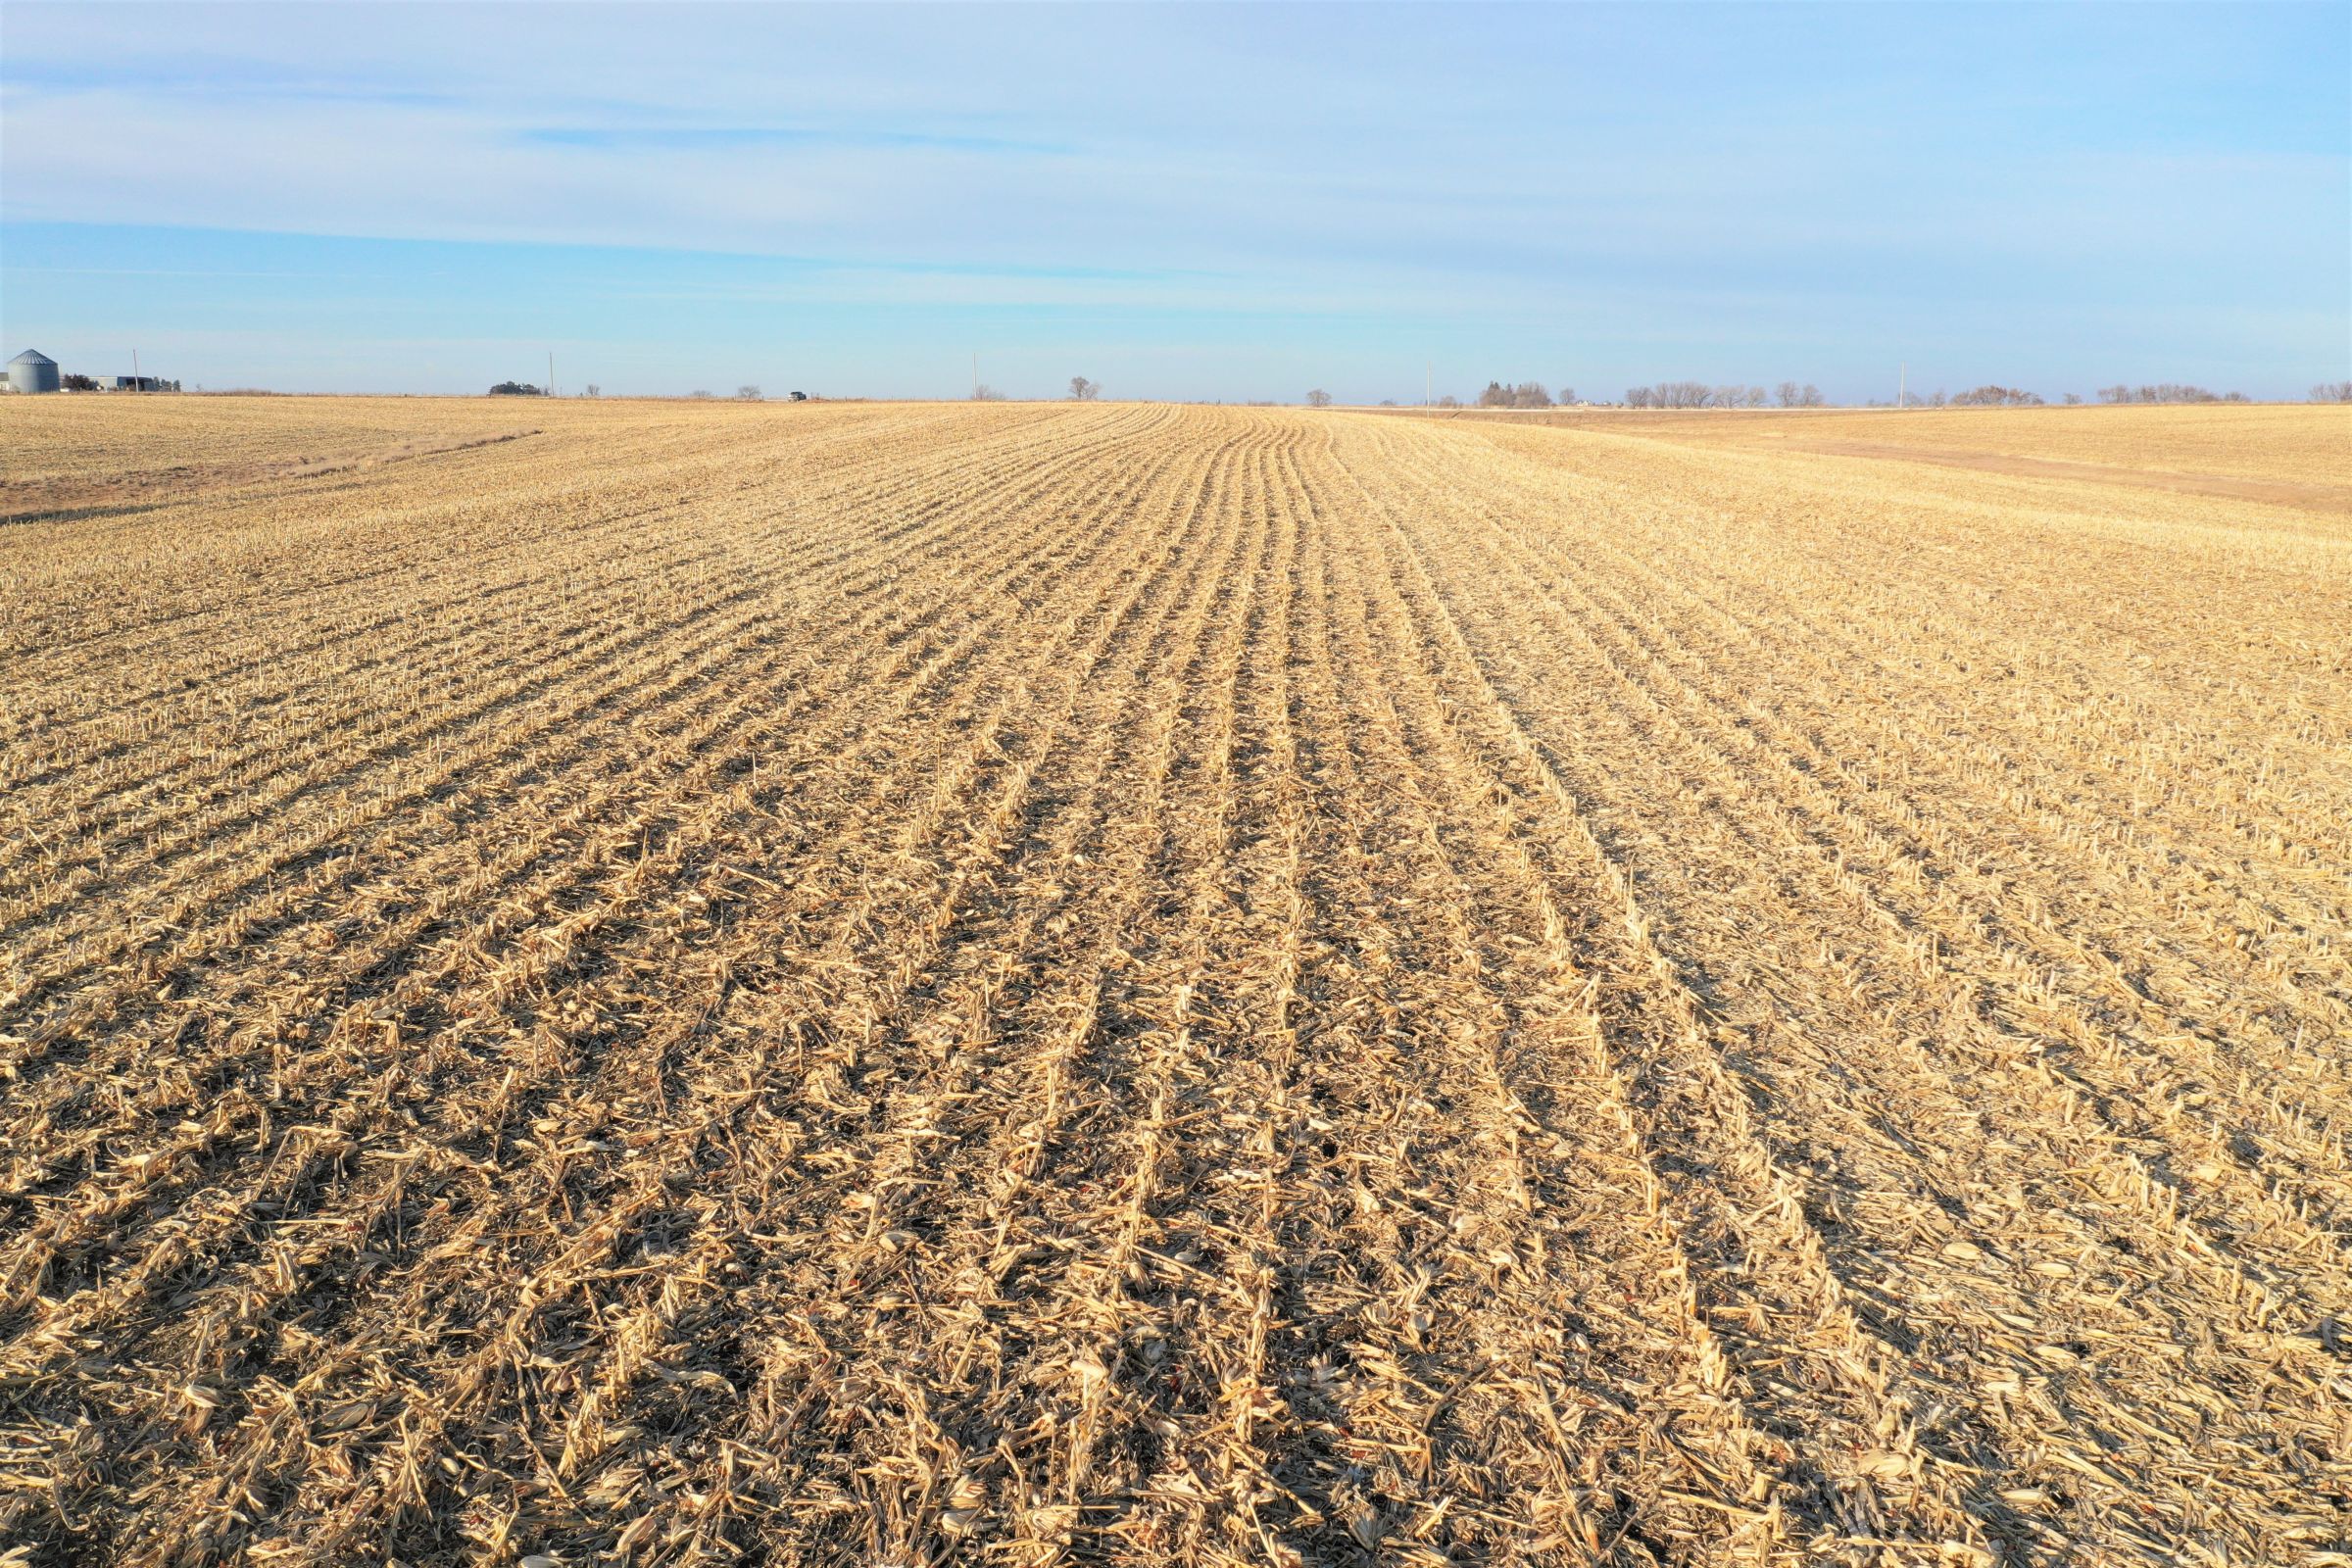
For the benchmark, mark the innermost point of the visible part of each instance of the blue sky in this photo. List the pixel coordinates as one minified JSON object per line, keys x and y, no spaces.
{"x":1203,"y":202}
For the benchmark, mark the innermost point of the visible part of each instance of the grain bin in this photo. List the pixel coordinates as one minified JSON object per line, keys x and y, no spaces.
{"x":33,"y":371}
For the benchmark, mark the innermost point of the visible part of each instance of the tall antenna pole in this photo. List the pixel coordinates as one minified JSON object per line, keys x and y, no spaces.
{"x":550,"y":373}
{"x":1902,"y":386}
{"x":135,"y":369}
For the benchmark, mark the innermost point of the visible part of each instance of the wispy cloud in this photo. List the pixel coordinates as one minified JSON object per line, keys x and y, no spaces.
{"x":689,"y":138}
{"x":218,"y":77}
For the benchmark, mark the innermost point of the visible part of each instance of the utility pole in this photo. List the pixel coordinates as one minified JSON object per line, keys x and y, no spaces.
{"x":135,"y":369}
{"x":550,"y":373}
{"x":1902,"y":386}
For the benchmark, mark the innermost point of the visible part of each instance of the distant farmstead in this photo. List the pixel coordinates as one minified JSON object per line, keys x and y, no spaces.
{"x":33,"y":371}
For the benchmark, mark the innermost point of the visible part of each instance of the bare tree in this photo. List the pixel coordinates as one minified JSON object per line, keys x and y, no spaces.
{"x":699,"y":394}
{"x":1448,"y":401}
{"x":747,"y":393}
{"x":1084,"y":391}
{"x":984,"y":393}
{"x":1567,"y":396}
{"x":2074,"y":400}
{"x":595,"y":391}
{"x":1810,"y":397}
{"x":1787,"y":393}
{"x":2332,"y":392}
{"x":1318,"y":399}
{"x":1673,"y":395}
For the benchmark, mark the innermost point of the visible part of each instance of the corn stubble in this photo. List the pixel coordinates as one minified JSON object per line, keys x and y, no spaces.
{"x":1144,"y":985}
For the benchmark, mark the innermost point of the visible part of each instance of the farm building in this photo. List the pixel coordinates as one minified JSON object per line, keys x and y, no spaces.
{"x":33,"y":371}
{"x":144,"y":383}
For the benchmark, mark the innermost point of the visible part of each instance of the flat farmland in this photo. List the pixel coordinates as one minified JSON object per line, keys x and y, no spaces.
{"x":690,"y":983}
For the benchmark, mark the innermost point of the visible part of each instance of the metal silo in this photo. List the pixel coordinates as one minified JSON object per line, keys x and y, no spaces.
{"x":33,"y":371}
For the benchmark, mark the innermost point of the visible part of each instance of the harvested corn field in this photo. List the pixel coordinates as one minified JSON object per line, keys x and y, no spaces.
{"x":904,"y":984}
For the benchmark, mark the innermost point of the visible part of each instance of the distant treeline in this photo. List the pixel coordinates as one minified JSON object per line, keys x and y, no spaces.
{"x":1500,"y":394}
{"x":1524,"y":395}
{"x":1664,"y":395}
{"x":1700,"y":395}
{"x":2166,"y":392}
